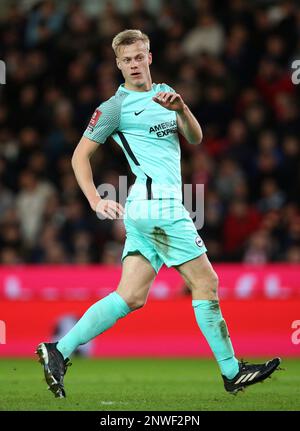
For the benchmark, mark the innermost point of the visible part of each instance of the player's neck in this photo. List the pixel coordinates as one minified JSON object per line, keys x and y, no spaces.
{"x":147,"y":86}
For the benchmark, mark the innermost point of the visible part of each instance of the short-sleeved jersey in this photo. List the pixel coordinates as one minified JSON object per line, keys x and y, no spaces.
{"x":147,"y":133}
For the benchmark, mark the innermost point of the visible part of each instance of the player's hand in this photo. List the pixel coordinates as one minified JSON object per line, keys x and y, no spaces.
{"x":171,"y":101}
{"x":108,"y":208}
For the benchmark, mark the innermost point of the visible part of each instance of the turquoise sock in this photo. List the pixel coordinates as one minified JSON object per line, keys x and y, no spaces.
{"x":214,"y":329}
{"x":97,"y":319}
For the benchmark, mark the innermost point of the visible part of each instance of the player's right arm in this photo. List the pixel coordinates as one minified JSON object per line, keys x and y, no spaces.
{"x":104,"y":122}
{"x":83,"y":173}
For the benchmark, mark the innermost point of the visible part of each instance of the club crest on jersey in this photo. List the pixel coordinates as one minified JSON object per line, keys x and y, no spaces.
{"x":199,"y":241}
{"x":94,"y":119}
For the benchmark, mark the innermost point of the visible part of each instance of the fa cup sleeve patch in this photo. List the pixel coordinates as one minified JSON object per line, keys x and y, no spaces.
{"x":94,"y":119}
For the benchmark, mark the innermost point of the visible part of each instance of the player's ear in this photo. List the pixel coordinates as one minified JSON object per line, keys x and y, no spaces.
{"x":149,"y":58}
{"x":118,"y":63}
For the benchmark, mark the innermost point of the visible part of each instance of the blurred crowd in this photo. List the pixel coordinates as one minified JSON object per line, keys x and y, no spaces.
{"x":230,"y":61}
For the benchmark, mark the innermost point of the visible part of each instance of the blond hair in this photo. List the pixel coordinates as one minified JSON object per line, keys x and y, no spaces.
{"x":127,"y":37}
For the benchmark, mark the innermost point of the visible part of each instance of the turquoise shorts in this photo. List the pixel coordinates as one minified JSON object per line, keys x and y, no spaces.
{"x":162,"y":231}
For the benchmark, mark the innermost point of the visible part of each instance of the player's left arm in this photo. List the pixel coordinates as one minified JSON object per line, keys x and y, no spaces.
{"x":187,"y":124}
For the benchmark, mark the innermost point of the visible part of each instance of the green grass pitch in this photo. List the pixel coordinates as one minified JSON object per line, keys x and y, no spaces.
{"x":143,"y":384}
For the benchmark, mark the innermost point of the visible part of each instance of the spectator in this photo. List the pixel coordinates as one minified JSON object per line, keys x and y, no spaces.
{"x":241,"y":221}
{"x":207,"y":36}
{"x":227,"y":177}
{"x":31,"y":201}
{"x":272,"y":197}
{"x":258,"y":251}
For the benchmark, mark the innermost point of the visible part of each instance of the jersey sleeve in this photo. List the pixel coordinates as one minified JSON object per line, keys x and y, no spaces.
{"x":104,"y":121}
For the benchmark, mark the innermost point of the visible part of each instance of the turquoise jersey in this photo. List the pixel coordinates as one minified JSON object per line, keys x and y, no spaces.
{"x":147,"y":133}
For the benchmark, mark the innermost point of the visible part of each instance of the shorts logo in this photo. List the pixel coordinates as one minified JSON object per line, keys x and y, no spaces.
{"x":198,"y":241}
{"x":94,"y":119}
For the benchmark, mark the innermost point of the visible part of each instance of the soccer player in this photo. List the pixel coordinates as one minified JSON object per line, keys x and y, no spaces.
{"x":145,"y":119}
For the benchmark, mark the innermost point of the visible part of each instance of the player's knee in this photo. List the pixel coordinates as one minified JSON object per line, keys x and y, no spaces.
{"x":213,"y":282}
{"x":134,"y":302}
{"x":206,"y":284}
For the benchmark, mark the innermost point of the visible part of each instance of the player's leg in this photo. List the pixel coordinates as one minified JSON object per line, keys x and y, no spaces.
{"x":137,"y":276}
{"x":203,"y":282}
{"x":177,"y":243}
{"x":132,"y":292}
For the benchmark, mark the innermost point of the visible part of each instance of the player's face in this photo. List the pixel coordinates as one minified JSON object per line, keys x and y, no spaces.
{"x":134,"y":61}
